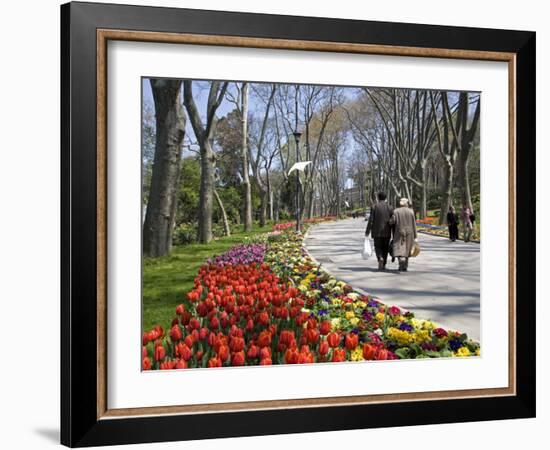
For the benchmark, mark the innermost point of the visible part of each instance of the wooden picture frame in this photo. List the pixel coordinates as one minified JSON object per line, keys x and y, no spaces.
{"x":85,"y":417}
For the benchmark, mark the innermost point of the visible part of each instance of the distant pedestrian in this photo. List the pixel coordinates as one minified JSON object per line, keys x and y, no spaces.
{"x":379,"y":226}
{"x":467,"y":225}
{"x":404,"y":235}
{"x":452,"y":223}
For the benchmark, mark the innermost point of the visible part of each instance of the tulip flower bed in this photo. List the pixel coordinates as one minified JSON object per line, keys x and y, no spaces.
{"x":269,"y":303}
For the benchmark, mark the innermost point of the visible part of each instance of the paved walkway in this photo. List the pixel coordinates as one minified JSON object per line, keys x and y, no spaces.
{"x":442,"y":283}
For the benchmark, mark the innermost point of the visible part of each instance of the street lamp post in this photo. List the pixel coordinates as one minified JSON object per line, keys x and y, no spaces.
{"x":297,"y":135}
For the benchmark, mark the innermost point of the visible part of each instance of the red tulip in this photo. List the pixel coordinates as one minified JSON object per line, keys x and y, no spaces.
{"x":286,"y":337}
{"x":202,"y":309}
{"x":253,"y":352}
{"x":185,"y":317}
{"x":237,"y":359}
{"x":236,"y":344}
{"x":146,"y":363}
{"x":214,"y":362}
{"x":145,"y":338}
{"x":180,"y":309}
{"x":323,"y":348}
{"x":333,"y":340}
{"x":199,"y":354}
{"x":214,"y":323}
{"x":263,"y":318}
{"x":369,"y":351}
{"x":264,"y":339}
{"x":186,"y":352}
{"x":292,"y":356}
{"x":223,"y":352}
{"x":249,"y":325}
{"x":312,"y":323}
{"x":194,"y":323}
{"x":306,"y":357}
{"x":160,"y":353}
{"x":338,"y":355}
{"x":144,"y":352}
{"x":167,"y":365}
{"x":324,"y":327}
{"x":352,"y":341}
{"x":382,"y":354}
{"x":312,"y":335}
{"x":181,"y":364}
{"x":203,"y":334}
{"x":176,"y":333}
{"x":266,"y":362}
{"x":265,"y":352}
{"x":189,"y":341}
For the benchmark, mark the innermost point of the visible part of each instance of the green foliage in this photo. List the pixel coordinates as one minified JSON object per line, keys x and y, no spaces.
{"x":232,"y":199}
{"x":188,"y":195}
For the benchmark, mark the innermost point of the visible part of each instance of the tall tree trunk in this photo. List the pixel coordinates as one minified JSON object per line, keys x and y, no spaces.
{"x":174,"y":205}
{"x":447,"y":192}
{"x":311,"y":205}
{"x":208,"y":170}
{"x":244,"y":156}
{"x":463,"y":160}
{"x":226,"y":226}
{"x":276,"y":208}
{"x":204,"y":133}
{"x":271,"y":208}
{"x":263,"y":207}
{"x":170,"y":130}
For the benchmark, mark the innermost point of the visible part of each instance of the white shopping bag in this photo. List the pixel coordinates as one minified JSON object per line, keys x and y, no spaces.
{"x":367,"y":249}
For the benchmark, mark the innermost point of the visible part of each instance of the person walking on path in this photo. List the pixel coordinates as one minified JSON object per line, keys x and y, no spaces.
{"x":379,"y":226}
{"x":452,"y":222}
{"x":404,"y":234}
{"x":467,"y":225}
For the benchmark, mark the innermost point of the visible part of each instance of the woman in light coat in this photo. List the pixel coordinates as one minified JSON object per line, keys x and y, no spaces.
{"x":404,"y":235}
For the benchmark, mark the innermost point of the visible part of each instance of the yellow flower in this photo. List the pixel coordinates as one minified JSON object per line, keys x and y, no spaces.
{"x":357,"y":354}
{"x":427,"y":325}
{"x":463,"y":351}
{"x":350,"y":314}
{"x":335,"y":324}
{"x":478,"y":351}
{"x":400,"y":336}
{"x":360,"y":304}
{"x":421,"y":336}
{"x":354,"y":321}
{"x":379,"y":317}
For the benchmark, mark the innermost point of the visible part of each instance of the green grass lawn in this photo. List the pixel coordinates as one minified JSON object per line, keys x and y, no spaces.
{"x":167,"y":279}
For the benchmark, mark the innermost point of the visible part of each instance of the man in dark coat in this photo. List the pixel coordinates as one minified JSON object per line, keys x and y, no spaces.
{"x":379,"y":226}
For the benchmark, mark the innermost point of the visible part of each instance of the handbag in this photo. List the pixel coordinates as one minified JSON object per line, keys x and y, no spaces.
{"x":415,"y":250}
{"x":366,"y":253}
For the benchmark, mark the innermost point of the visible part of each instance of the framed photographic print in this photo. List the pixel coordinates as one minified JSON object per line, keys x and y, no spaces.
{"x":277,"y":224}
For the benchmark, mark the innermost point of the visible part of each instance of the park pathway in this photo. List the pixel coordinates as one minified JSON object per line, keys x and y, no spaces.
{"x":442,"y":283}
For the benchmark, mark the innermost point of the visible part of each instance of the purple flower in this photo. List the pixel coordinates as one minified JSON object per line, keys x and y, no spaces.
{"x":241,"y":254}
{"x":429,"y":346}
{"x":373,"y":303}
{"x":405,"y":326}
{"x":367,"y":315}
{"x":455,"y":344}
